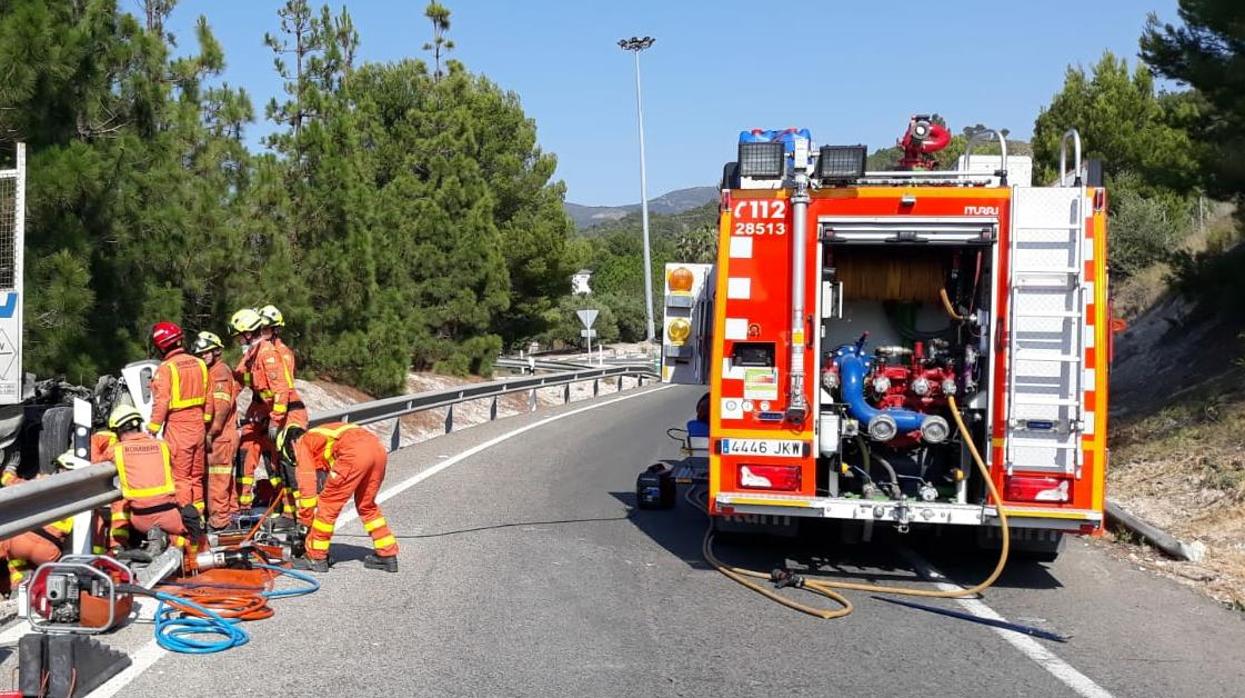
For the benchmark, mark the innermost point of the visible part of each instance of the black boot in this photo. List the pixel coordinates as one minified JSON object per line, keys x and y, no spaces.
{"x":311,"y":564}
{"x":157,"y":541}
{"x":376,"y":562}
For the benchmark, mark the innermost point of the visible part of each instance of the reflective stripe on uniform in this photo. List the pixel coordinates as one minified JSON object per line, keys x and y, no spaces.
{"x":153,"y":427}
{"x":246,"y":480}
{"x":176,"y":401}
{"x":385,"y":542}
{"x":120,"y":533}
{"x":279,"y":409}
{"x":220,"y":470}
{"x":374,"y":524}
{"x":120,"y":516}
{"x":330,"y":438}
{"x":318,"y":544}
{"x":64,"y":525}
{"x":308,"y":502}
{"x":321,"y":526}
{"x":145,"y":492}
{"x":199,"y":505}
{"x":223,"y":396}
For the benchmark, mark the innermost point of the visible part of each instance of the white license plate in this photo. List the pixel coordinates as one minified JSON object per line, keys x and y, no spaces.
{"x":762,"y":447}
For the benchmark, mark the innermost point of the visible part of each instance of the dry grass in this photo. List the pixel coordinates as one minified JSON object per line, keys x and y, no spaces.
{"x":1183,"y":468}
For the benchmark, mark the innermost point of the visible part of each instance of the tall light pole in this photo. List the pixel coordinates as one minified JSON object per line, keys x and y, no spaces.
{"x":637,"y":44}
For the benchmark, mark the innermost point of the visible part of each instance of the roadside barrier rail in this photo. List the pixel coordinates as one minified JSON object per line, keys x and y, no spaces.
{"x":40,"y":502}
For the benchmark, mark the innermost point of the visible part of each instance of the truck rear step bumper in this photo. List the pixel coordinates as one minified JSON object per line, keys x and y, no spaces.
{"x":910,"y":512}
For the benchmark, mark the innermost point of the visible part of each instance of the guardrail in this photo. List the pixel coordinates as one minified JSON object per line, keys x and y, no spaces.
{"x":539,"y":364}
{"x":59,"y":496}
{"x":560,"y":365}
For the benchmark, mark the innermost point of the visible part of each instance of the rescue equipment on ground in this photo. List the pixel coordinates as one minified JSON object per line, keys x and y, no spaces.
{"x":654,"y":488}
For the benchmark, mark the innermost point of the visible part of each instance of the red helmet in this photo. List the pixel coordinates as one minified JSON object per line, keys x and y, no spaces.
{"x":166,"y":335}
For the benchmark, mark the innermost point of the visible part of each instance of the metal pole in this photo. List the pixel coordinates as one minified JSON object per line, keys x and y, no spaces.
{"x":636,"y":45}
{"x":651,"y":332}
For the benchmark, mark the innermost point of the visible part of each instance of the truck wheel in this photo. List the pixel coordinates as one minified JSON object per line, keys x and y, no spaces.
{"x":1044,"y":550}
{"x":54,"y":437}
{"x":1026,"y":544}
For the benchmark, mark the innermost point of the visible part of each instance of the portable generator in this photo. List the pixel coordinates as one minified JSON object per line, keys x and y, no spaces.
{"x":78,"y":594}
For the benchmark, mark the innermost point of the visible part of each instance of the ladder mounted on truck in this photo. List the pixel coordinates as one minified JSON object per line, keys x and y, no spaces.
{"x":1046,"y":326}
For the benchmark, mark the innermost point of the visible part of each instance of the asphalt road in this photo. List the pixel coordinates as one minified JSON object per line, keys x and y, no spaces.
{"x":525,"y":572}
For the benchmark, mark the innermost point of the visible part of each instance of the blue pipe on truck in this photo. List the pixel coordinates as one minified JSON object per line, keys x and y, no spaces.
{"x":854,"y":366}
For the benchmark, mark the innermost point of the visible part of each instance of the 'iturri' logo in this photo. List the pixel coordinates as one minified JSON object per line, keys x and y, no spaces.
{"x":981,"y":210}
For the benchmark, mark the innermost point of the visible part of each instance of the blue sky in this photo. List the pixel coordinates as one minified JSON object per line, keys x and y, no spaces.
{"x":850,"y":71}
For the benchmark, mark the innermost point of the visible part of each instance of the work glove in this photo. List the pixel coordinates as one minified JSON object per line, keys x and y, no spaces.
{"x":193,"y":521}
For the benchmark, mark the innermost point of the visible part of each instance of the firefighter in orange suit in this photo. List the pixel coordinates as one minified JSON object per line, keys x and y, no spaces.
{"x":253,"y":443}
{"x":118,"y":532}
{"x":222,"y":433}
{"x":354,"y":462}
{"x":182,"y":409}
{"x":145,"y":469}
{"x":274,"y":321}
{"x":28,"y":550}
{"x":273,"y":378}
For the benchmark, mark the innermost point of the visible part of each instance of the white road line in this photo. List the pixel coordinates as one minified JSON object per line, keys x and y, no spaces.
{"x":1026,"y":645}
{"x":151,"y":652}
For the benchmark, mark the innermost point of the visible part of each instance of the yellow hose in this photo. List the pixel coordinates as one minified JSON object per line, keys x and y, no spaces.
{"x":827,"y":588}
{"x":946,"y":303}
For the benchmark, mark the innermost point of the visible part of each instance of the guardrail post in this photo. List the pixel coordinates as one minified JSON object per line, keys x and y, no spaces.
{"x":449,"y":419}
{"x":492,"y":410}
{"x":639,"y":381}
{"x":83,"y":526}
{"x":566,"y":394}
{"x":81,"y":431}
{"x":531,"y":400}
{"x":620,"y":384}
{"x":596,"y":387}
{"x":395,"y":439}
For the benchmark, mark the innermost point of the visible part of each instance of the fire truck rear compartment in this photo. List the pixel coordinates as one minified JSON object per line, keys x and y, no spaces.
{"x":891,"y":355}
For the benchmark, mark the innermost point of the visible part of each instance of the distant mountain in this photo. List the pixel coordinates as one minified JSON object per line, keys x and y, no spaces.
{"x":677,"y":201}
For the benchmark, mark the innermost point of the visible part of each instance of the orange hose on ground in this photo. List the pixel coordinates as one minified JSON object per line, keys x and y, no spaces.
{"x":241,"y":605}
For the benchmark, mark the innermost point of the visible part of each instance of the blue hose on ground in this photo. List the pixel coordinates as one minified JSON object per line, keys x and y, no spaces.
{"x":179,"y":634}
{"x":184,"y":634}
{"x":312,"y":584}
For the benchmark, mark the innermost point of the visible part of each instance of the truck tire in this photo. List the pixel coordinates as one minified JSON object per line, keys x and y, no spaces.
{"x":1026,"y":544}
{"x":1042,"y":550}
{"x":54,"y":437}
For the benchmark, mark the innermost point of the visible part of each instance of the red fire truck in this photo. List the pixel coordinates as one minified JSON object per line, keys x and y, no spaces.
{"x":854,"y":311}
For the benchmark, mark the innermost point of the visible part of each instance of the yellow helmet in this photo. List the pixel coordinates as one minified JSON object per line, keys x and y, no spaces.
{"x":67,"y":461}
{"x":246,"y":320}
{"x":272,"y":317}
{"x":122,"y":415}
{"x":205,"y":342}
